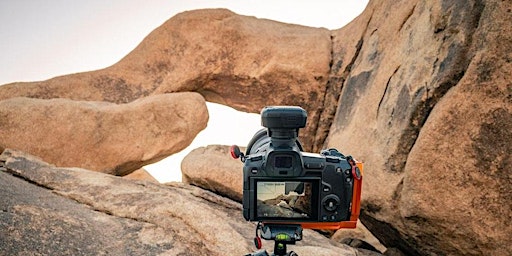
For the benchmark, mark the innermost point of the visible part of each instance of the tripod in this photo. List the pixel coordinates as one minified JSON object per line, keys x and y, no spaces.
{"x":282,"y":234}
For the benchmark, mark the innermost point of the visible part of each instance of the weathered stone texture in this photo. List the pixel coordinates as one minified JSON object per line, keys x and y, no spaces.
{"x":426,"y":105}
{"x":101,"y":136}
{"x":62,"y":211}
{"x":214,"y":169}
{"x":240,"y":61}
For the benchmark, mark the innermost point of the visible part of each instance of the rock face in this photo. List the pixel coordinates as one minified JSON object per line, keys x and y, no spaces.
{"x":106,"y":137}
{"x":243,"y":62}
{"x":426,"y":102}
{"x":62,"y":211}
{"x":360,"y":233}
{"x":213,"y":168}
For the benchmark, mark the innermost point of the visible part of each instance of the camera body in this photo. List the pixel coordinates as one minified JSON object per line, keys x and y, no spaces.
{"x":283,"y":184}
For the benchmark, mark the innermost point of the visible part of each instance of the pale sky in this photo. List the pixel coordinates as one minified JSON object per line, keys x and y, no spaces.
{"x":41,"y":39}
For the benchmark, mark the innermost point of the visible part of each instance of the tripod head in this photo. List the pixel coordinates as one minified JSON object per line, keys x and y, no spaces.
{"x":282,"y":234}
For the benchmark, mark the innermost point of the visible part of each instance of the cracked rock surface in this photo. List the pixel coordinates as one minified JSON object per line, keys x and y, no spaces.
{"x":70,"y":211}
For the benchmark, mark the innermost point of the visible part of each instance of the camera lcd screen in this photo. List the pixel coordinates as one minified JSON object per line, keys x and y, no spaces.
{"x":284,"y":199}
{"x":283,"y":161}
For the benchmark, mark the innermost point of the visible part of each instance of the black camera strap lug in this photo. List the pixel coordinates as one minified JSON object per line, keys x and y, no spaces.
{"x":236,"y":153}
{"x":356,"y":173}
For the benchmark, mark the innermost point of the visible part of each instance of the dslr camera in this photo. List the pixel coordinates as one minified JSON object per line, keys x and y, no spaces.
{"x":284,"y":185}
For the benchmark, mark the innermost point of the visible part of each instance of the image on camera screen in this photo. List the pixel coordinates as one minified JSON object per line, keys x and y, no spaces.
{"x":283,"y":199}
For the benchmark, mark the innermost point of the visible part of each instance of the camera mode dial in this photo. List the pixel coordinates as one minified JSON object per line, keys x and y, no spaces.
{"x":331,"y":203}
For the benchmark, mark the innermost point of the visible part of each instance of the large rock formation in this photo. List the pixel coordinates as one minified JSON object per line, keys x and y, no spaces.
{"x":426,"y":102}
{"x":71,"y":211}
{"x":244,"y":62}
{"x":418,"y":90}
{"x":101,"y":136}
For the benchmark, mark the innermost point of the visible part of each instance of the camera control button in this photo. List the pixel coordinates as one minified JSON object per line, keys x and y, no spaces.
{"x":331,"y":202}
{"x":331,"y":159}
{"x":256,"y":158}
{"x":326,"y":188}
{"x":314,"y":165}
